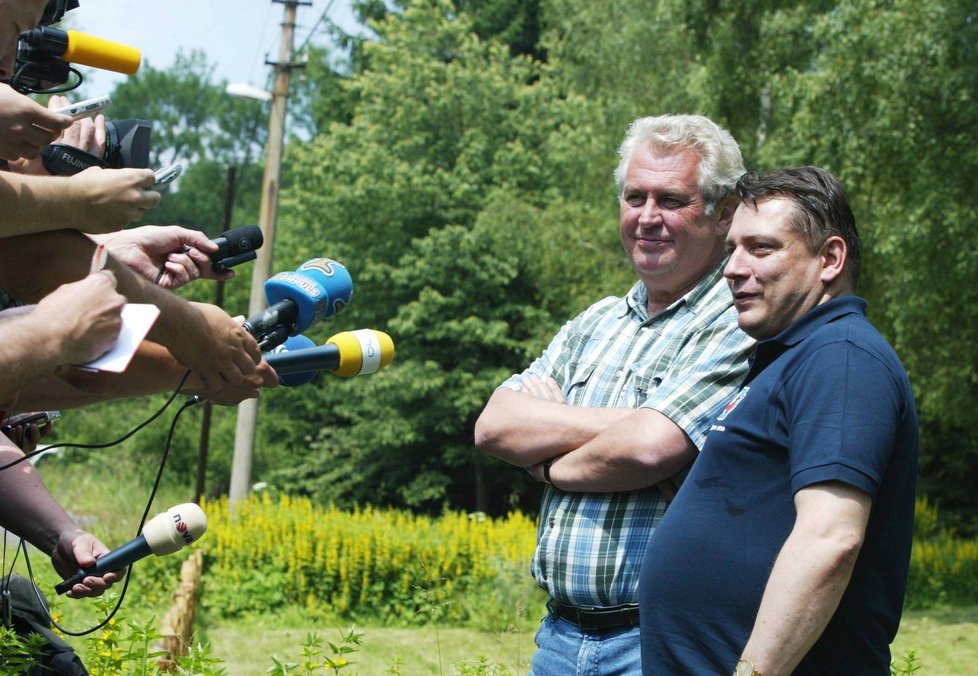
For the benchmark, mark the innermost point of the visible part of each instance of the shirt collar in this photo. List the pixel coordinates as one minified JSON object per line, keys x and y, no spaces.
{"x":819,"y":316}
{"x":637,"y":299}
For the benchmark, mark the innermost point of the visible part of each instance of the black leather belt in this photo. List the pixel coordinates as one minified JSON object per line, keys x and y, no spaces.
{"x":596,"y":618}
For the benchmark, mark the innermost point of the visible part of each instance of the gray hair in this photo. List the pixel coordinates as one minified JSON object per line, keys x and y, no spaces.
{"x":720,"y":164}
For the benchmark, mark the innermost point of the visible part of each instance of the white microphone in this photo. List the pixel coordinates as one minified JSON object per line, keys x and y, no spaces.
{"x":164,"y":534}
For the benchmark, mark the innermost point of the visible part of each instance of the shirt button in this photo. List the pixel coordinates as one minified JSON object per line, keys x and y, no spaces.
{"x":552,"y":522}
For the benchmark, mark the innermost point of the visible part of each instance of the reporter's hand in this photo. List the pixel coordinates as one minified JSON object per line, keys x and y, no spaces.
{"x":86,"y":316}
{"x":86,"y":134}
{"x":28,"y":436}
{"x":231,"y":395}
{"x":25,"y":125}
{"x":76,"y":550}
{"x":168,"y":255}
{"x":215,"y":347}
{"x":109,"y":199}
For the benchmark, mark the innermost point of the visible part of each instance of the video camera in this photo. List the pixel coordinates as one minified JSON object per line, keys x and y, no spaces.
{"x":126,"y":146}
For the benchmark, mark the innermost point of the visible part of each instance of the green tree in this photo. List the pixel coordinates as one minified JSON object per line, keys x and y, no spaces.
{"x":889,"y":102}
{"x":446,"y":195}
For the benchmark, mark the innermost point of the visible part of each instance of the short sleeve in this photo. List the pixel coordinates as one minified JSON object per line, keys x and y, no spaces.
{"x":844,"y":411}
{"x":695,"y":387}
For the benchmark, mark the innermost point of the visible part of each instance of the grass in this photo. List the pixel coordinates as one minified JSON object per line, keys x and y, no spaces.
{"x":945,"y":640}
{"x":247,"y":650}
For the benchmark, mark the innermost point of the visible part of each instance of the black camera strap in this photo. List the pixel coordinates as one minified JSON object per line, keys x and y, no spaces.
{"x":64,"y":160}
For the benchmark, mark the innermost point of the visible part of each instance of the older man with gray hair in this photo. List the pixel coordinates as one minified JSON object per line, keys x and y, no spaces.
{"x":622,"y":398}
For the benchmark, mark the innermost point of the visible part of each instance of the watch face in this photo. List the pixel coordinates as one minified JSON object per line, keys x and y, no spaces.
{"x":744,"y":668}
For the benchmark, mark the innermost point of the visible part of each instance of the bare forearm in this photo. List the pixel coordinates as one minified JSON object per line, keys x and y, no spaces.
{"x":27,"y":507}
{"x":524,"y":430}
{"x":152,"y":370}
{"x":809,"y":577}
{"x":27,"y":352}
{"x":68,"y":254}
{"x":636,"y":452}
{"x":36,"y":203}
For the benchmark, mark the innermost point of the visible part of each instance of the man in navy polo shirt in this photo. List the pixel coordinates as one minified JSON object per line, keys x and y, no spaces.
{"x":788,"y":546}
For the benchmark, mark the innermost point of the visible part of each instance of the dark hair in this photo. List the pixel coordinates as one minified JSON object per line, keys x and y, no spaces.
{"x":821,"y":207}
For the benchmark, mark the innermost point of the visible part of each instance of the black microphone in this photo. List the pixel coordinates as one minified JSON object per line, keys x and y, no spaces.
{"x":348,"y":353}
{"x":236,"y":246}
{"x":164,"y":534}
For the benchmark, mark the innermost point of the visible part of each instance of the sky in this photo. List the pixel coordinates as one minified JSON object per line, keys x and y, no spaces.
{"x":236,"y":35}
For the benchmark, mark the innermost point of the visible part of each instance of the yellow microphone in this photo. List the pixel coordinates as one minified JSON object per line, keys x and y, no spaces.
{"x":47,"y":44}
{"x":96,"y":52}
{"x":346,"y":354}
{"x":362,"y":351}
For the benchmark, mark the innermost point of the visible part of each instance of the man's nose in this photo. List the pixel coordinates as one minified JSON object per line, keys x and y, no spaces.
{"x":735,"y":265}
{"x":651,"y":214}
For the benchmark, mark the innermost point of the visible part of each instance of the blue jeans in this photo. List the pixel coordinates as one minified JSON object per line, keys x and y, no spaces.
{"x":564,"y":649}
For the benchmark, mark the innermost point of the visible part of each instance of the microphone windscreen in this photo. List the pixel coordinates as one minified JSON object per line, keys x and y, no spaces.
{"x":320,"y":288}
{"x":177,"y":527}
{"x":362,"y":351}
{"x":89,"y":50}
{"x":238,"y":240}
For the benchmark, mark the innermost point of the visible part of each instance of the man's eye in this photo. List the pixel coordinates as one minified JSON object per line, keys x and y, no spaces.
{"x":635,"y":200}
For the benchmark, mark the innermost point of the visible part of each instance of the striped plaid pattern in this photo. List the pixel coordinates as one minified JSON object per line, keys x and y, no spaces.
{"x":685,"y":363}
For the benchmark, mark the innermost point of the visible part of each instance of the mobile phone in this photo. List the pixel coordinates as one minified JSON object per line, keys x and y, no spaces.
{"x":23,"y":419}
{"x":85,"y":108}
{"x":166,"y":176}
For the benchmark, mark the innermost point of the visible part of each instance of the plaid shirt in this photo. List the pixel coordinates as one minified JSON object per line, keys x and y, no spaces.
{"x":684,"y":362}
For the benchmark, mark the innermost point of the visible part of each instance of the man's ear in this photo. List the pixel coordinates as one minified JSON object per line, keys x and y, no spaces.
{"x":725,"y":213}
{"x":833,"y":256}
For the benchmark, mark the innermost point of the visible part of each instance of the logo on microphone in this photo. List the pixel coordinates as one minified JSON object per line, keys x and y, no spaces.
{"x":183,"y":529}
{"x":325,"y":265}
{"x":303,"y":283}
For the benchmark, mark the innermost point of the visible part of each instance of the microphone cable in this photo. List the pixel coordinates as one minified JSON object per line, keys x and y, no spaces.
{"x":107,"y":444}
{"x":191,"y":401}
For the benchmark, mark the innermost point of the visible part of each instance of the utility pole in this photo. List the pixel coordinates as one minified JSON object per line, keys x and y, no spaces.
{"x":244,"y":436}
{"x":205,"y":420}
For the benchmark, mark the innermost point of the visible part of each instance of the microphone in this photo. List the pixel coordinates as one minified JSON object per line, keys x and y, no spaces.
{"x":164,"y":534}
{"x":294,"y":344}
{"x":88,"y":50}
{"x":44,"y":58}
{"x":236,"y":246}
{"x":348,"y":353}
{"x":317,"y":290}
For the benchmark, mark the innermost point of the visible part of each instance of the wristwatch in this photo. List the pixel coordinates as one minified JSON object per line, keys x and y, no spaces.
{"x":746,"y":668}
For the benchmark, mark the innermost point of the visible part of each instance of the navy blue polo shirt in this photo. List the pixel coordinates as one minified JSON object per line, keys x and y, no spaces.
{"x":827,"y":399}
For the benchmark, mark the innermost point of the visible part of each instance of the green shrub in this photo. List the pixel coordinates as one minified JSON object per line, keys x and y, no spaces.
{"x":943,"y":567}
{"x":367,"y":565}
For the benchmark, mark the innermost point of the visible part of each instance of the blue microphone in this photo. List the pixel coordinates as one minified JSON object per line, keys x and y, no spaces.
{"x":291,"y":345}
{"x":318,"y":289}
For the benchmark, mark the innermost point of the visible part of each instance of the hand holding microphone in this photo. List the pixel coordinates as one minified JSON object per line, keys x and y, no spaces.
{"x":164,"y":534}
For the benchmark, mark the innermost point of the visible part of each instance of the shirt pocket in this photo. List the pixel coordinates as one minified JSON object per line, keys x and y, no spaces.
{"x":646,"y":380}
